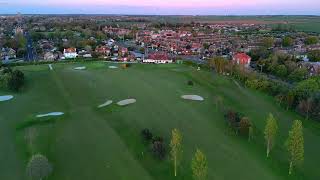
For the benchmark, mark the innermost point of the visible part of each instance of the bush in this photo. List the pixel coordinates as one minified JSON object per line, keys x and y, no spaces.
{"x":38,"y":167}
{"x":12,"y":80}
{"x":190,"y":83}
{"x":244,"y":126}
{"x":158,"y":149}
{"x":146,"y":135}
{"x":233,"y":119}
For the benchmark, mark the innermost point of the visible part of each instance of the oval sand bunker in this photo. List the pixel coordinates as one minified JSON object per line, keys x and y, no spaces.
{"x":113,"y":67}
{"x":192,"y":97}
{"x":126,"y":102}
{"x":6,"y":98}
{"x":50,"y":114}
{"x":80,"y":68}
{"x":107,"y":103}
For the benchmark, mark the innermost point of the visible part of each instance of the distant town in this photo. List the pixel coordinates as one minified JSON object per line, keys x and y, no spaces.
{"x":134,"y":38}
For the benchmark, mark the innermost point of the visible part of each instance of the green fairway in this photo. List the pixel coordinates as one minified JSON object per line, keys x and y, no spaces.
{"x":90,"y":143}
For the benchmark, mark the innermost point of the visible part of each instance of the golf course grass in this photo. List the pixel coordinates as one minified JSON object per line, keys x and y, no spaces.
{"x":105,"y":143}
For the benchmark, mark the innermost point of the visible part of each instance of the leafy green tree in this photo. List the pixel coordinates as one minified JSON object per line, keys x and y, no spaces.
{"x":281,"y":71}
{"x":268,"y":42}
{"x":270,"y":132}
{"x":314,"y":55}
{"x":16,"y":80}
{"x":287,"y":41}
{"x":299,"y":74}
{"x":199,"y":166}
{"x":295,"y":145}
{"x":311,"y":40}
{"x":38,"y":167}
{"x":176,"y":148}
{"x":306,"y":88}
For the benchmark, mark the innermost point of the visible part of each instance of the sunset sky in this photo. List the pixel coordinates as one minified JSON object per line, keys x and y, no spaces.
{"x":193,"y":7}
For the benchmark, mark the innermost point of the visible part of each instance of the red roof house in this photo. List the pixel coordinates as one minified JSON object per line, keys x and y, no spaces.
{"x":242,"y":59}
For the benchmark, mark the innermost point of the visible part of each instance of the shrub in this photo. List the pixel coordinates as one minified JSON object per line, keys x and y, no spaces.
{"x":38,"y":167}
{"x":190,"y":83}
{"x":244,"y":126}
{"x":146,"y":135}
{"x":12,"y":80}
{"x":233,"y":119}
{"x":158,"y":149}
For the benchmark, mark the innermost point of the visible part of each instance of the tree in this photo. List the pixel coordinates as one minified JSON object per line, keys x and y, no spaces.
{"x":158,"y":148}
{"x":311,"y":40}
{"x":176,"y":148}
{"x":268,"y":42}
{"x":16,"y":81}
{"x":199,"y":166}
{"x":270,"y":132}
{"x":314,"y":55}
{"x":147,"y":135}
{"x":305,"y":106}
{"x":290,"y":99}
{"x":281,"y":71}
{"x":295,"y":145}
{"x":12,"y":80}
{"x":287,"y":41}
{"x":38,"y":167}
{"x":299,"y":74}
{"x":219,"y":64}
{"x":244,"y":126}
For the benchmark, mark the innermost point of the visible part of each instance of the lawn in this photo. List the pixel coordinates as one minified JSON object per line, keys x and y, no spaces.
{"x":90,"y":143}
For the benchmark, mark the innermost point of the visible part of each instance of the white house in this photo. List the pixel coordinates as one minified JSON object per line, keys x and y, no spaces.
{"x":70,"y":53}
{"x":157,"y":58}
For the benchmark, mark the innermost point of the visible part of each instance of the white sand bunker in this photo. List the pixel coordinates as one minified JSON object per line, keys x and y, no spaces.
{"x":192,"y":97}
{"x":50,"y":67}
{"x":107,"y":103}
{"x":113,"y":67}
{"x":50,"y":114}
{"x":6,"y":98}
{"x":80,"y":68}
{"x":126,"y":102}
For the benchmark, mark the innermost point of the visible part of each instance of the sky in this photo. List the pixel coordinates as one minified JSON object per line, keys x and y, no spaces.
{"x":163,"y":7}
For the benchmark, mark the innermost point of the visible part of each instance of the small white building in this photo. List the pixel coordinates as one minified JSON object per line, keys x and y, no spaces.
{"x":157,"y":61}
{"x":158,"y":58}
{"x":70,"y":53}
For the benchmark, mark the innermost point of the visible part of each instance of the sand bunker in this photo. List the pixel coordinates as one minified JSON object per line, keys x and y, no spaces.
{"x":113,"y":67}
{"x":107,"y":103}
{"x":50,"y":114}
{"x":126,"y":102}
{"x":80,"y":68}
{"x":6,"y":98}
{"x":50,"y":67}
{"x":192,"y":97}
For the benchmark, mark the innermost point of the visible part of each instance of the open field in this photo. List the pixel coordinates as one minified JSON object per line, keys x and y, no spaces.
{"x":300,"y":23}
{"x":91,"y":143}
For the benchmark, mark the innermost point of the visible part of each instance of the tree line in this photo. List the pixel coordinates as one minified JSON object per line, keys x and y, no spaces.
{"x":303,"y":97}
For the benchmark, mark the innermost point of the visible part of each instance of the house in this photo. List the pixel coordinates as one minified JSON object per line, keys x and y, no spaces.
{"x":242,"y":59}
{"x":123,"y":51}
{"x":84,"y":53}
{"x":158,"y":58}
{"x":70,"y":53}
{"x":103,"y":50}
{"x":7,"y":53}
{"x":312,"y":67}
{"x":49,"y":56}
